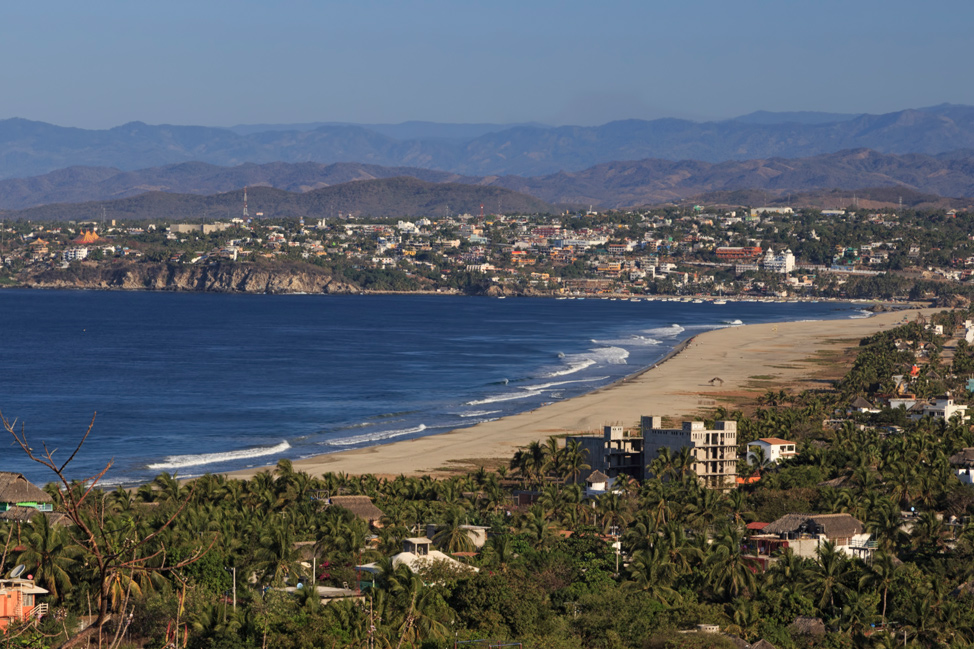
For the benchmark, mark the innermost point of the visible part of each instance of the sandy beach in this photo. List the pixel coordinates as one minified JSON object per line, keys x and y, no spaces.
{"x":747,"y":360}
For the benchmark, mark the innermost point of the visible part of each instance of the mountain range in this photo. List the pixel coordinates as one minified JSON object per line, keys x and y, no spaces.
{"x":29,"y":148}
{"x":609,"y":185}
{"x":385,"y":197}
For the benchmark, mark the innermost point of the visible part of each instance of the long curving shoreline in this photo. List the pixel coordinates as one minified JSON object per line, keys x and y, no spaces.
{"x":748,"y":360}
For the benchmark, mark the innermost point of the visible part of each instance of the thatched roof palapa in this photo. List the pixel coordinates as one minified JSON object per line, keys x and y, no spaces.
{"x":805,"y":625}
{"x":15,"y":488}
{"x":360,"y":506}
{"x":596,"y":476}
{"x":831,"y":525}
{"x":964,"y":458}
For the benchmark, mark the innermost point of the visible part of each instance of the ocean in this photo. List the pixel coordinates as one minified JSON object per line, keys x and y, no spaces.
{"x":190,"y":383}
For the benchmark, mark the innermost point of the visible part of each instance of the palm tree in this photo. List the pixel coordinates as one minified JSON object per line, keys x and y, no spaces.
{"x":827,"y":574}
{"x":451,"y":535}
{"x":651,"y":572}
{"x":573,"y":460}
{"x":880,"y":575}
{"x":275,"y":554}
{"x":49,"y":554}
{"x":537,"y":528}
{"x":729,"y":572}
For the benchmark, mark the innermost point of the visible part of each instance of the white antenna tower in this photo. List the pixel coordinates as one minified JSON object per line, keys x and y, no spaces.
{"x":246,"y":214}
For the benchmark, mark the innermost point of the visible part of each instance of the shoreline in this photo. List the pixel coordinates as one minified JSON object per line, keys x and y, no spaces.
{"x":746,"y":360}
{"x":895,"y":306}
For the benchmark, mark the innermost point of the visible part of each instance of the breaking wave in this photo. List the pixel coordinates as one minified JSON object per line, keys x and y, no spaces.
{"x":510,"y":396}
{"x":478,"y":413}
{"x":182,"y":461}
{"x":375,"y":437}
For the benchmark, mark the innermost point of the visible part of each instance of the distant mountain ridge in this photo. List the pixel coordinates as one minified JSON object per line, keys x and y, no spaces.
{"x":609,"y":185}
{"x":386,"y":197}
{"x":33,"y":148}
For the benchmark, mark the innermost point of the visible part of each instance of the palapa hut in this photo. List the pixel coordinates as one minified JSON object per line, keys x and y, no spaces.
{"x":19,"y":499}
{"x":762,"y":644}
{"x":360,"y":506}
{"x":805,"y":625}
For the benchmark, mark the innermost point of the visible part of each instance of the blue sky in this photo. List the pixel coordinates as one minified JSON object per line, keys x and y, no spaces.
{"x":101,"y":63}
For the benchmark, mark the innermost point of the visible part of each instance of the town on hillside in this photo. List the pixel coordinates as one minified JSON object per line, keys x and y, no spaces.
{"x":693,"y":252}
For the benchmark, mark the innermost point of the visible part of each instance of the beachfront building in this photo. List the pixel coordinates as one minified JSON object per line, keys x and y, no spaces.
{"x":734,"y":253}
{"x":626,"y":452}
{"x":714,"y":449}
{"x":773,"y":450}
{"x":783,"y":263}
{"x":616,"y":452}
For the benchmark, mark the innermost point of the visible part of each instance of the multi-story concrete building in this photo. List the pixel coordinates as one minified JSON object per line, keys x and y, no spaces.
{"x":715,"y":450}
{"x":619,"y":452}
{"x":783,"y":263}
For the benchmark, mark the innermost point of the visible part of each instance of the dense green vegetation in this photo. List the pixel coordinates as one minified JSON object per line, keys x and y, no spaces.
{"x":683,"y":558}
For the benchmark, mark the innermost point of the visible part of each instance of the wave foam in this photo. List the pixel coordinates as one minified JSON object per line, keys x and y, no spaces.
{"x":510,"y":396}
{"x":573,"y":367}
{"x":376,"y":437}
{"x":545,"y":386}
{"x":478,"y":413}
{"x":634,"y":340}
{"x":667,"y":332}
{"x":182,"y":461}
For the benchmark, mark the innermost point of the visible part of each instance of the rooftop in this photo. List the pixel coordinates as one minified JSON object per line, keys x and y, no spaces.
{"x":14,"y":488}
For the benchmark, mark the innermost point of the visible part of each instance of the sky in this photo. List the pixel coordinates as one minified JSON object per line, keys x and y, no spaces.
{"x":102,"y":63}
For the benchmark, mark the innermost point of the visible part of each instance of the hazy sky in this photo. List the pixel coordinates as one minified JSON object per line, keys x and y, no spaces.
{"x":100,"y":63}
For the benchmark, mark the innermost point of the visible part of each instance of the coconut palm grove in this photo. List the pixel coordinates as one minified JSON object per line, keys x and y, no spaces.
{"x":273,"y":563}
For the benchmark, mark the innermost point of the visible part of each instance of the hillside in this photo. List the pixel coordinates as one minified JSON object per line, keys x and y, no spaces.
{"x":33,"y":148}
{"x":389,"y":197}
{"x":614,"y":184}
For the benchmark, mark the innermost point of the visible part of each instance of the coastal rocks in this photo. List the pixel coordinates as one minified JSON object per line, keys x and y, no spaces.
{"x":952,"y":302}
{"x":216,"y":278}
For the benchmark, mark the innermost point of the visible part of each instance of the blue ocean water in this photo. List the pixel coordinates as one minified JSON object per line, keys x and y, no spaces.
{"x":192,"y":383}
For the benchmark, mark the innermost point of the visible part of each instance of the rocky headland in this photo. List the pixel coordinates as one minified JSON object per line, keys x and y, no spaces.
{"x":216,"y":278}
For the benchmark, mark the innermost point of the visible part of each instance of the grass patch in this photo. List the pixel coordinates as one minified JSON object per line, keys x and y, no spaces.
{"x":762,"y":377}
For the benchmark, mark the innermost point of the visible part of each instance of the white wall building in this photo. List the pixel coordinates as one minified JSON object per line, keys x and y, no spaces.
{"x":783,"y":263}
{"x":775,"y":449}
{"x":75,"y":254}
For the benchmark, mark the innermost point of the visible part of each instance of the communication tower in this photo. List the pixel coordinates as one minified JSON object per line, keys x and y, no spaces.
{"x":246,"y":214}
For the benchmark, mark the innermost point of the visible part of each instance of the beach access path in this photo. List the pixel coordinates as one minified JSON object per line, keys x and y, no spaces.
{"x":748,"y":361}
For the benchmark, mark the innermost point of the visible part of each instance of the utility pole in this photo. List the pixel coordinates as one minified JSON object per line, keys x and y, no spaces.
{"x":233,"y":571}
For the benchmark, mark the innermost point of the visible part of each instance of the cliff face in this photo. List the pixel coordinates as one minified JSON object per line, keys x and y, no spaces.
{"x":219,"y":278}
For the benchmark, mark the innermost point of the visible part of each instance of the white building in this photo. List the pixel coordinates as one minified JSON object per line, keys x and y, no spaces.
{"x":963,"y":463}
{"x":418,"y":555}
{"x":783,"y":263}
{"x":75,"y":254}
{"x":940,"y":408}
{"x":804,"y":534}
{"x":774,"y":450}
